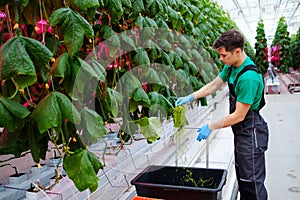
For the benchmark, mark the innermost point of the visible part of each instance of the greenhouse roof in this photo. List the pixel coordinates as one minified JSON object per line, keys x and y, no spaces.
{"x":246,"y":14}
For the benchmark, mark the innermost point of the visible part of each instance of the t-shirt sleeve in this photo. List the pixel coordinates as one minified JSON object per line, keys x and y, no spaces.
{"x":224,"y":73}
{"x":247,"y":91}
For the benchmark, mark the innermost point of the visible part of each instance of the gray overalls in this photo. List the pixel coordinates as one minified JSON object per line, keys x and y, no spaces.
{"x":250,"y":143}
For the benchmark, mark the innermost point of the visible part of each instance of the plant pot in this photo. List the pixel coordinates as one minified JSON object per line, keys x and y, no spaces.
{"x":17,"y":178}
{"x":61,"y":178}
{"x":1,"y":187}
{"x":54,"y":161}
{"x":33,"y":194}
{"x":35,"y":170}
{"x":111,"y":135}
{"x":180,"y":183}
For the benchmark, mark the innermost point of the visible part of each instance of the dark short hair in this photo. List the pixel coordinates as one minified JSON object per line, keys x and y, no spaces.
{"x":230,"y":40}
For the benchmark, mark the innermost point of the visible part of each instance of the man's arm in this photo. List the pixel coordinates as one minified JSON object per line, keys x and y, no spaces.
{"x":209,"y":88}
{"x":237,"y":116}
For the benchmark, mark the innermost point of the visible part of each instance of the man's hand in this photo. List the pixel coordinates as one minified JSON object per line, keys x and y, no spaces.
{"x":204,"y":132}
{"x":184,"y":100}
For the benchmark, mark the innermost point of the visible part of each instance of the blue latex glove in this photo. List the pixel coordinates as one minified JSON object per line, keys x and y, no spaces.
{"x":184,"y":100}
{"x":204,"y":132}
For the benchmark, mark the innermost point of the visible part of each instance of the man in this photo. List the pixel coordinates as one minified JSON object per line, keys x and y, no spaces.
{"x":246,"y":99}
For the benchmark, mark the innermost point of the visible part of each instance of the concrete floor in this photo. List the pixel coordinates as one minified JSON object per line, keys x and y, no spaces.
{"x":282,"y":113}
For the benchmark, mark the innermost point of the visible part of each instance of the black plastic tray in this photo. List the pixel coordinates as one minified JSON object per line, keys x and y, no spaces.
{"x":174,"y":183}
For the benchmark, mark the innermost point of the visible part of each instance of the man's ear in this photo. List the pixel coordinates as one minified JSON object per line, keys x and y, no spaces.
{"x":238,"y":51}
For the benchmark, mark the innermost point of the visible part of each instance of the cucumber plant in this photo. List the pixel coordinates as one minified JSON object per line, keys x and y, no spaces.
{"x":261,"y":48}
{"x":70,"y":67}
{"x":281,"y":46}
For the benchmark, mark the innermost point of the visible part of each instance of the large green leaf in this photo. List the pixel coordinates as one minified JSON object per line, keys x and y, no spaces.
{"x":196,"y":12}
{"x":184,"y":42}
{"x":141,"y":58}
{"x":162,"y":24}
{"x":158,"y":102}
{"x":127,"y":42}
{"x":86,"y":75}
{"x":165,"y":45}
{"x":195,"y":82}
{"x":74,"y":28}
{"x":175,"y":59}
{"x":112,"y":40}
{"x":61,"y":66}
{"x":197,"y":58}
{"x":172,"y":13}
{"x":66,"y":69}
{"x":128,"y":84}
{"x":127,"y":3}
{"x":38,"y":143}
{"x":151,"y":76}
{"x":182,"y":54}
{"x":92,"y":126}
{"x":11,"y":111}
{"x":98,"y":69}
{"x":86,"y":4}
{"x":151,"y":128}
{"x":115,"y":8}
{"x":192,"y":67}
{"x":165,"y":59}
{"x":82,"y":168}
{"x":112,"y":100}
{"x":53,"y":110}
{"x":12,"y":143}
{"x":138,"y":6}
{"x":19,"y":56}
{"x":154,"y":54}
{"x":139,"y":22}
{"x":141,"y":96}
{"x":156,"y":7}
{"x":76,"y":74}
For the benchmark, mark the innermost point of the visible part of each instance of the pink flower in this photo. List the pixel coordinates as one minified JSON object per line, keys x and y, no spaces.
{"x":110,"y":66}
{"x":274,"y":58}
{"x":42,"y":26}
{"x":2,"y":18}
{"x":145,"y":86}
{"x":275,"y":48}
{"x":49,"y":29}
{"x":27,"y":103}
{"x":2,"y":15}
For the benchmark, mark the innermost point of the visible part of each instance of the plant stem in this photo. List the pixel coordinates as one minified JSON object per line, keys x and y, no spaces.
{"x":17,"y":89}
{"x":8,"y":21}
{"x":52,"y":84}
{"x":41,"y":16}
{"x":30,"y":98}
{"x":44,"y":10}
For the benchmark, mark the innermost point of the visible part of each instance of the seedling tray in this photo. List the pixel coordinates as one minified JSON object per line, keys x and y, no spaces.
{"x":176,"y":183}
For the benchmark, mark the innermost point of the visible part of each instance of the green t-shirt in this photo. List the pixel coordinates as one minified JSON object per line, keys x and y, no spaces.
{"x":249,"y":87}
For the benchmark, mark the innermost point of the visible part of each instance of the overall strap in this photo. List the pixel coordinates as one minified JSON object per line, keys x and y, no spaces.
{"x":253,"y":68}
{"x":229,"y":73}
{"x":248,"y":67}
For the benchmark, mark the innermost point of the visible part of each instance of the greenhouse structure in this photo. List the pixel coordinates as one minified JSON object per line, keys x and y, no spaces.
{"x":149,"y":99}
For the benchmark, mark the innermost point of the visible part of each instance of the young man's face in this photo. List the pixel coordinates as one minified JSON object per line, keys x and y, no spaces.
{"x":229,"y":57}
